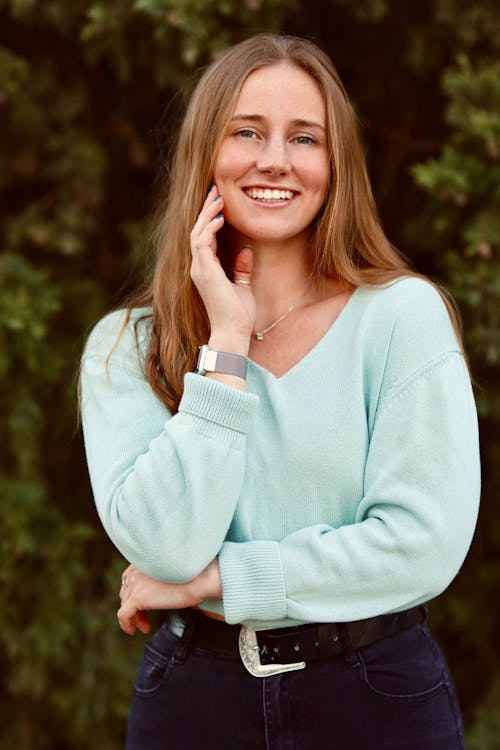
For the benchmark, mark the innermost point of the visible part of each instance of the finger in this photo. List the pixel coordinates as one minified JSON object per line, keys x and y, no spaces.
{"x":142,"y":622}
{"x":243,"y":265}
{"x":124,"y":594}
{"x":213,"y":204}
{"x":213,"y":209}
{"x":125,"y":623}
{"x":127,"y":573}
{"x":126,"y":617}
{"x":132,"y":619}
{"x":126,"y":586}
{"x":124,"y":583}
{"x":212,"y":195}
{"x":203,"y":235}
{"x":209,"y":222}
{"x":204,"y":252}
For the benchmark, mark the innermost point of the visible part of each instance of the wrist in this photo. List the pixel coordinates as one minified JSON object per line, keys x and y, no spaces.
{"x":221,"y":365}
{"x":208,"y":584}
{"x":225,"y":342}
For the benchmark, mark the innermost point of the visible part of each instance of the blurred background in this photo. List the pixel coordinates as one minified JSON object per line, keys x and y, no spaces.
{"x":91,"y":93}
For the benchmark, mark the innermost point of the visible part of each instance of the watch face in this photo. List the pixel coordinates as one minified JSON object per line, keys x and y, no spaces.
{"x":200,"y":367}
{"x":207,"y":361}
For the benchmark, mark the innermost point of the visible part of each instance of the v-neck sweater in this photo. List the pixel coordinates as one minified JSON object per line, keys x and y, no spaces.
{"x":346,"y":488}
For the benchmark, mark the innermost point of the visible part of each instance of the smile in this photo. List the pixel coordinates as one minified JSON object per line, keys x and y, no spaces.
{"x":268,"y":194}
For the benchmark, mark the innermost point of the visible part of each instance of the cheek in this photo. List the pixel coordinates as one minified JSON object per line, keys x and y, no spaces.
{"x":318,"y":176}
{"x":312,"y":168}
{"x":221,"y":166}
{"x":228,"y":165}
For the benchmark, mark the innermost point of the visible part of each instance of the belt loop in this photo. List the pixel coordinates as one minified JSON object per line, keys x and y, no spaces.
{"x":188,"y":618}
{"x":323,"y":630}
{"x":347,"y":648}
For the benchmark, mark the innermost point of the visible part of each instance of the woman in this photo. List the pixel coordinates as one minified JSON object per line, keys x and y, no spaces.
{"x":294,"y":498}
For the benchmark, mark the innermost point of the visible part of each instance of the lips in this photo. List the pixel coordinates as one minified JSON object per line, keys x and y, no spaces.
{"x":269,"y":194}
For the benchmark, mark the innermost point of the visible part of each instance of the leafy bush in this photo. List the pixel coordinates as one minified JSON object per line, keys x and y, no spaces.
{"x":83,"y":86}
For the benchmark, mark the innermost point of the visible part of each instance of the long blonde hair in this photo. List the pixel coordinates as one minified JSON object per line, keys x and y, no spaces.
{"x":347,"y":239}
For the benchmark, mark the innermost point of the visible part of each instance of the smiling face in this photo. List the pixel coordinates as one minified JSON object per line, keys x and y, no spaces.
{"x":272,"y":168}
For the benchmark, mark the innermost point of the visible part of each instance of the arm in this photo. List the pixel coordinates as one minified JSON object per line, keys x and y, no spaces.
{"x":412,"y":528}
{"x":414,"y":521}
{"x":166,"y":487}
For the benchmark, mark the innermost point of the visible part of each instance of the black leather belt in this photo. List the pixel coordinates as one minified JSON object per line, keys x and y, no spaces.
{"x":303,"y":643}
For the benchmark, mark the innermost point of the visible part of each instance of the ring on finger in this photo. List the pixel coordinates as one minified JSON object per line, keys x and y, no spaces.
{"x":242,"y":282}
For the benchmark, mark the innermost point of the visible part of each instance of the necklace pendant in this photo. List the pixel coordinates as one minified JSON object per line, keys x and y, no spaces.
{"x":259,"y":335}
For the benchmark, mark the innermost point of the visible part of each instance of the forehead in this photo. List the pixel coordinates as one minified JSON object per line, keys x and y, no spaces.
{"x":281,"y":89}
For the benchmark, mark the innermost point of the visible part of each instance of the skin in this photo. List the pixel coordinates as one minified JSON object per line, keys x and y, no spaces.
{"x":276,"y":139}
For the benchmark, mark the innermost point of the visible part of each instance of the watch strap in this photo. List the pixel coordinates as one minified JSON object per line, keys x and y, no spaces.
{"x":226,"y":363}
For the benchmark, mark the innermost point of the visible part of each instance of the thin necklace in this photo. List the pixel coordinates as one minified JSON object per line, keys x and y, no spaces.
{"x":259,"y":335}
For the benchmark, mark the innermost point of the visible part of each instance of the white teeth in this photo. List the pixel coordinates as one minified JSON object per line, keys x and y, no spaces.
{"x":269,"y":195}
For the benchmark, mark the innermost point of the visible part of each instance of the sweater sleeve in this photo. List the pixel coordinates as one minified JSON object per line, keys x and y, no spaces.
{"x":165,"y":487}
{"x":412,"y":527}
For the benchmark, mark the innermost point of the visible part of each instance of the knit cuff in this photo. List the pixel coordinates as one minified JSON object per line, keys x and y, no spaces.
{"x":253,"y":584}
{"x":218,"y":403}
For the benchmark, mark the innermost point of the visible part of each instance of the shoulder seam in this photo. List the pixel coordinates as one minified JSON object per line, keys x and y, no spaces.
{"x":399,"y":390}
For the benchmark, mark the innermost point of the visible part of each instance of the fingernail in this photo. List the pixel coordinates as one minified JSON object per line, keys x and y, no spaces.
{"x":211,"y":187}
{"x":218,"y":198}
{"x":220,"y":216}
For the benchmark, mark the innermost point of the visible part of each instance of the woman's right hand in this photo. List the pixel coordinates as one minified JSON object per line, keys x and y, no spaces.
{"x":230,"y":306}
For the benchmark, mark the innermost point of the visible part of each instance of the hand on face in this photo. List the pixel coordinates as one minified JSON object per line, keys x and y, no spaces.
{"x":230,"y":305}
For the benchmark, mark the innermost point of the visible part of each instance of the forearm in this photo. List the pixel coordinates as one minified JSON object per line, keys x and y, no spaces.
{"x":357,"y":571}
{"x":409,"y":533}
{"x":165,"y":491}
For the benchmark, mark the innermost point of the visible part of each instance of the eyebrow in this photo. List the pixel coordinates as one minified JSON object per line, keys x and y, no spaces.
{"x":297,"y":122}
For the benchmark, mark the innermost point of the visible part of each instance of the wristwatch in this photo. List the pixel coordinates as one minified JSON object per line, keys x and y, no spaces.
{"x":226,"y":363}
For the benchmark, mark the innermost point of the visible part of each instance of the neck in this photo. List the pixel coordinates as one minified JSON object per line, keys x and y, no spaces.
{"x":281,"y":274}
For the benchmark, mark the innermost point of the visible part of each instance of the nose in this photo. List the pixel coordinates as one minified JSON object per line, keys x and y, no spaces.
{"x":273,"y":157}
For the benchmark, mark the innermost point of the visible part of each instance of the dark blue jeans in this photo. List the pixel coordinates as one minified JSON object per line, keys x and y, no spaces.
{"x":395,"y":694}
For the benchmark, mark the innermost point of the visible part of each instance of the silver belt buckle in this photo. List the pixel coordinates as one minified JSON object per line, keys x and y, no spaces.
{"x":249,"y":652}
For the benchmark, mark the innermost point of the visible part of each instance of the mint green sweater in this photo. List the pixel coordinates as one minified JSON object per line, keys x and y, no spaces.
{"x":346,"y":488}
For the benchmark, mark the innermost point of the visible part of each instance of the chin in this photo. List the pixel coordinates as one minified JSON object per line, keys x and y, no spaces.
{"x":265,"y":233}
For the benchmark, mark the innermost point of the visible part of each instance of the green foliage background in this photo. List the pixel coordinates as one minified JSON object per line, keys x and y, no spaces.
{"x":90,"y":95}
